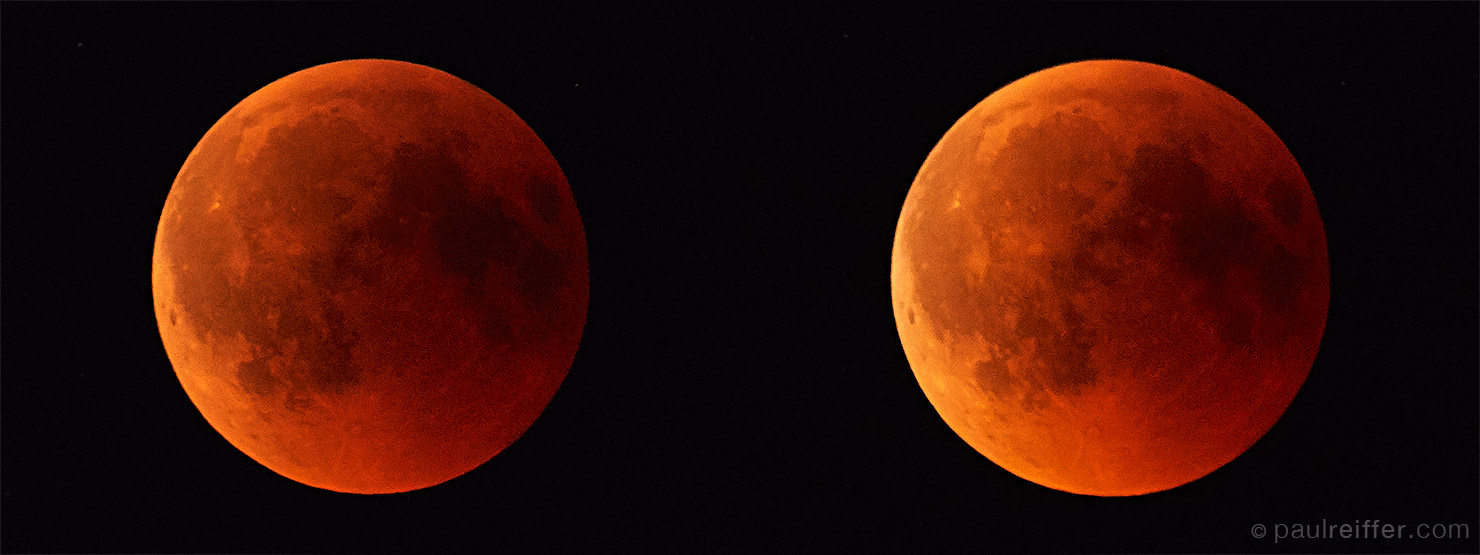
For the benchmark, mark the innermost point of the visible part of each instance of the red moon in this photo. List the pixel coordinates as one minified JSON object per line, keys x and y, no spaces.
{"x":1110,"y":278}
{"x":370,"y":276}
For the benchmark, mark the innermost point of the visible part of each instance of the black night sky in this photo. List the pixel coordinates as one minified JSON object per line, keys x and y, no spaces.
{"x":740,"y":384}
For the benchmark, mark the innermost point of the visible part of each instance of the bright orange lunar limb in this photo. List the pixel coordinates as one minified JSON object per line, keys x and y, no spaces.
{"x":370,"y":276}
{"x":1110,"y":278}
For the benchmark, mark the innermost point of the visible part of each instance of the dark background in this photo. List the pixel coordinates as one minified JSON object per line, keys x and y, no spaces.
{"x":740,"y":384}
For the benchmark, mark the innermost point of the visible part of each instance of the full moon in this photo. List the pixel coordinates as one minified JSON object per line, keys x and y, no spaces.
{"x":1110,"y":278}
{"x":370,"y":276}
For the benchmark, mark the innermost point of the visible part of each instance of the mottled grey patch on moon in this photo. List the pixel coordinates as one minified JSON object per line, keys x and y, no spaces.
{"x":299,"y":157}
{"x":281,"y":295}
{"x":203,"y":290}
{"x":321,"y":358}
{"x":1042,"y":170}
{"x":996,"y":117}
{"x":1284,"y":201}
{"x":993,"y":376}
{"x":472,"y":234}
{"x":1065,"y":348}
{"x":255,"y":376}
{"x":1210,"y":234}
{"x":1280,"y":272}
{"x":543,"y":197}
{"x":1089,"y":261}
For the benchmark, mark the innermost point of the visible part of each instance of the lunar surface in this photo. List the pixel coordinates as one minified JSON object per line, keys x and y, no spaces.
{"x":370,"y":276}
{"x":1110,"y":278}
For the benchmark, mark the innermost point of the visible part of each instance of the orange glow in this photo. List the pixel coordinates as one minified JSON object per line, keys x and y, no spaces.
{"x":1110,"y":278}
{"x":370,"y":276}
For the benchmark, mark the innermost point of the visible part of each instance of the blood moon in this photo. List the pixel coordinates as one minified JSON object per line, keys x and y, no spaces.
{"x":370,"y":276}
{"x":1110,"y":277}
